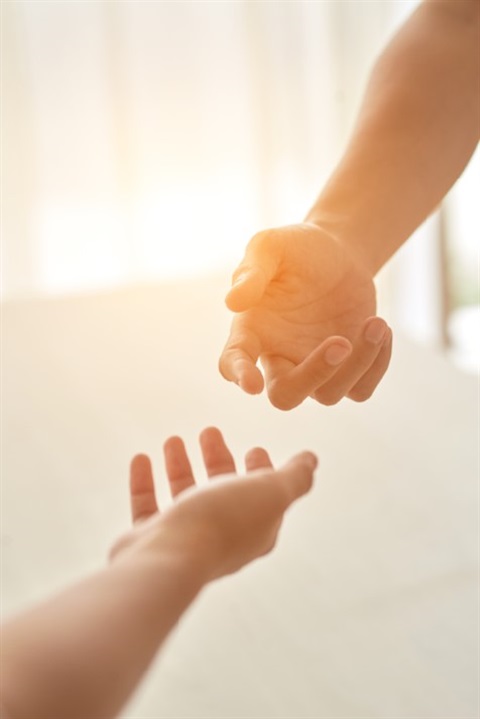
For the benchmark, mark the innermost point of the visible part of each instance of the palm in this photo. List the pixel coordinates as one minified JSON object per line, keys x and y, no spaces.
{"x":226,"y":524}
{"x":319,"y":292}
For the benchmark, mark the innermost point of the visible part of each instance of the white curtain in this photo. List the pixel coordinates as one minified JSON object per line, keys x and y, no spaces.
{"x":146,"y":140}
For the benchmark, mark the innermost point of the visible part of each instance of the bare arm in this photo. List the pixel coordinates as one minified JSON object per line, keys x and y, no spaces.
{"x":417,"y":129}
{"x":81,"y":654}
{"x":305,"y":292}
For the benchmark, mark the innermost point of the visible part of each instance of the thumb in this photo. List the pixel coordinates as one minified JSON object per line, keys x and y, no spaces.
{"x":255,"y":272}
{"x":297,"y":475}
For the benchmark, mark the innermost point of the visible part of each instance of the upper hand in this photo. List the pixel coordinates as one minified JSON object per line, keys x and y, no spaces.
{"x":306,"y":308}
{"x":222,"y":526}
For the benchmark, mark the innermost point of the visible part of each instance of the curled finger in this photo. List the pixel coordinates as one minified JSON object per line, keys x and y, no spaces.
{"x":287,"y":388}
{"x":365,"y":352}
{"x":367,"y":384}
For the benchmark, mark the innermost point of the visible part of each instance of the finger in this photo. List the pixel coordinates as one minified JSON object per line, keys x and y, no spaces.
{"x":296,"y":476}
{"x":366,"y":386}
{"x":239,"y":359}
{"x":288,"y":388}
{"x":365,"y":352}
{"x":177,"y":466}
{"x":255,"y":272}
{"x":216,"y":455}
{"x":257,"y":458}
{"x":248,"y":288}
{"x":143,"y":502}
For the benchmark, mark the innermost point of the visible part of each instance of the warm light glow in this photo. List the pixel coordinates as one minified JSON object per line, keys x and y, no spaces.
{"x":167,"y":233}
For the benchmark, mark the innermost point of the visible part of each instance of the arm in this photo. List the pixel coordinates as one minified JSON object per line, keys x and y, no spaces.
{"x":417,"y":128}
{"x":304,"y":294}
{"x":82,"y":653}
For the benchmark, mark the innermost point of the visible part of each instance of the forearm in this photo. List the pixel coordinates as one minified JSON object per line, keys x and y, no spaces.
{"x":82,"y":653}
{"x":417,"y":128}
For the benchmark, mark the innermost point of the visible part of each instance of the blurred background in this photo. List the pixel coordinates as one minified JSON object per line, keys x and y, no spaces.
{"x":143,"y":144}
{"x":150,"y":140}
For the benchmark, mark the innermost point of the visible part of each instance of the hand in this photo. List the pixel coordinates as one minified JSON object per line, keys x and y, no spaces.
{"x":306,"y":308}
{"x":220,"y":527}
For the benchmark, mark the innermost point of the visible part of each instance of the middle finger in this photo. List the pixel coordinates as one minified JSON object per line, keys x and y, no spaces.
{"x":216,"y":455}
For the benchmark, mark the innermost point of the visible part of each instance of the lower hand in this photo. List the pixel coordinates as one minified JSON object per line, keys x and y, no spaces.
{"x":222,"y":526}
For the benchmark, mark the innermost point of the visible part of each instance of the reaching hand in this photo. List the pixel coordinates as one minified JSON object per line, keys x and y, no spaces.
{"x":306,"y":308}
{"x":224,"y":525}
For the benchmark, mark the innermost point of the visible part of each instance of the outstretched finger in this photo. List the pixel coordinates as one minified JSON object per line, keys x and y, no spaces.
{"x":366,"y":386}
{"x":216,"y":455}
{"x":288,"y":388}
{"x":143,"y":502}
{"x":257,"y":458}
{"x":238,"y":361}
{"x":177,"y":465}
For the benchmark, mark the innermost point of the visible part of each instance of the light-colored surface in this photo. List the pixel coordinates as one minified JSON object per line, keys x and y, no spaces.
{"x":369,"y":606}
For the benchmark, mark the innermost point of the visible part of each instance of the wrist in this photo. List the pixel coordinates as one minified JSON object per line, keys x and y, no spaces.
{"x":339,"y":229}
{"x":166,"y":553}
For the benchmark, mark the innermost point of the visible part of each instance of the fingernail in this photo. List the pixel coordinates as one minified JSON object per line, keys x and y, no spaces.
{"x":375,"y":331}
{"x":335,"y":354}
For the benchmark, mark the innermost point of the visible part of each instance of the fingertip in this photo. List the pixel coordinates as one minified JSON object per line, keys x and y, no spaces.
{"x":209,"y":433}
{"x":299,"y":474}
{"x":140,"y":464}
{"x":251,"y":381}
{"x":368,"y":383}
{"x":235,"y":300}
{"x":375,"y":330}
{"x":141,"y":474}
{"x":172,"y":442}
{"x":139,"y":459}
{"x":257,"y":458}
{"x":337,"y":351}
{"x":306,"y":462}
{"x":309,"y":458}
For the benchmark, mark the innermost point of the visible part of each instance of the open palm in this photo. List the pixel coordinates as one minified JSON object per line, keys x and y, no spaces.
{"x":223,"y":525}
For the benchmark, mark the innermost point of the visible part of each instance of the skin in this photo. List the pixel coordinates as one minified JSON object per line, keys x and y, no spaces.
{"x":305,"y":289}
{"x":82,"y":653}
